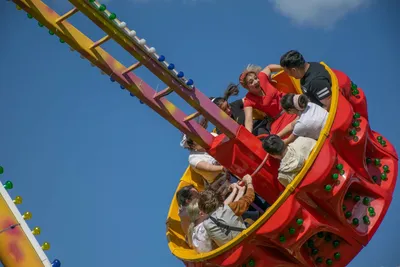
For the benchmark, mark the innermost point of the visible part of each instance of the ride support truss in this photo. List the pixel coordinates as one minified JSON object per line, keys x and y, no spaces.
{"x":145,"y":57}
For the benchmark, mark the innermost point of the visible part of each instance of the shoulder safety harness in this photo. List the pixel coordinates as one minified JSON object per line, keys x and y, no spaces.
{"x":227,"y":228}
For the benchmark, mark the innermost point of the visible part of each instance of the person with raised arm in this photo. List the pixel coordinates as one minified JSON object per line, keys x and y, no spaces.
{"x":262,"y":95}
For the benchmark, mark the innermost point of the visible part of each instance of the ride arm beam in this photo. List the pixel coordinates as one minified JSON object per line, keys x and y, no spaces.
{"x":112,"y":67}
{"x":193,"y":97}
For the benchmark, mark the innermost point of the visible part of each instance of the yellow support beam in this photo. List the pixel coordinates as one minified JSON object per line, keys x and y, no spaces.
{"x":113,"y":68}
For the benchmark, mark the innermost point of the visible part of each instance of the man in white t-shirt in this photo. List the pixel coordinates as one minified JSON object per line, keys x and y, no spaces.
{"x":292,"y":156}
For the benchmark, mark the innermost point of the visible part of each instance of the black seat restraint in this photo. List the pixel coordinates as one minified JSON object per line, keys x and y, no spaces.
{"x":227,"y":228}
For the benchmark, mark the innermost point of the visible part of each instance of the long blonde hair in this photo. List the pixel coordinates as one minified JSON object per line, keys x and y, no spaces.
{"x":194,"y":213}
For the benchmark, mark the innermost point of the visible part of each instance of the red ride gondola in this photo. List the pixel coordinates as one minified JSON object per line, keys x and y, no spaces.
{"x":328,"y":213}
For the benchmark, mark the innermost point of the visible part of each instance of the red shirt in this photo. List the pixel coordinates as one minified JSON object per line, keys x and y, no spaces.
{"x":269,"y":103}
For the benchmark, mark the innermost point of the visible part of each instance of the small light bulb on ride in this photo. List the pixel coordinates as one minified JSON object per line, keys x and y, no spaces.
{"x":36,"y":231}
{"x":152,"y":50}
{"x":8,"y":185}
{"x":132,"y":33}
{"x":142,"y":41}
{"x":122,"y":24}
{"x":18,"y":200}
{"x":27,"y":215}
{"x":46,"y":246}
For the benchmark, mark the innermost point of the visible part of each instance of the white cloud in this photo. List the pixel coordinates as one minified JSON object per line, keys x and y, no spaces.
{"x":319,"y":13}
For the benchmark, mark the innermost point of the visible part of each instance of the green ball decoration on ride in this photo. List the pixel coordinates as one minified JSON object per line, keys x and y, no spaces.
{"x":355,"y":222}
{"x":356,"y":123}
{"x":282,"y":239}
{"x":328,"y":238}
{"x":336,"y":255}
{"x":1,"y":170}
{"x":299,"y":221}
{"x":292,"y":231}
{"x":314,"y":251}
{"x":328,"y":188}
{"x":374,"y":178}
{"x":383,"y":176}
{"x":112,"y":16}
{"x":383,"y":143}
{"x":339,"y":166}
{"x":344,"y":208}
{"x":329,"y":262}
{"x":379,"y":138}
{"x":353,"y":86}
{"x":368,"y":160}
{"x":349,"y":195}
{"x":91,"y":1}
{"x":335,"y":176}
{"x":40,"y":24}
{"x":353,"y":132}
{"x":8,"y":185}
{"x":366,"y":220}
{"x":356,"y":115}
{"x":385,"y":168}
{"x":319,"y":260}
{"x":377,"y":162}
{"x":366,"y":201}
{"x":372,"y":214}
{"x":348,"y":214}
{"x":252,"y":263}
{"x":371,"y":209}
{"x":355,"y":92}
{"x":336,"y":243}
{"x":356,"y":198}
{"x":102,"y":7}
{"x":310,"y":243}
{"x":342,"y":171}
{"x":320,"y":234}
{"x":51,"y":32}
{"x":62,"y":41}
{"x":29,"y":16}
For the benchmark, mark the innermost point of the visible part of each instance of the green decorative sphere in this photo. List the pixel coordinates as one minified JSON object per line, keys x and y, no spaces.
{"x":112,"y":16}
{"x":328,"y":188}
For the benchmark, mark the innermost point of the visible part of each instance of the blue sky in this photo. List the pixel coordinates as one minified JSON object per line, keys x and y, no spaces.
{"x":98,"y":170}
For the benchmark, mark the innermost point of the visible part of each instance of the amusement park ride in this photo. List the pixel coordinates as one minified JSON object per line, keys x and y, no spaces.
{"x":324,"y":217}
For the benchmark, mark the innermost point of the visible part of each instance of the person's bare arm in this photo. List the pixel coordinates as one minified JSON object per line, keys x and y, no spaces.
{"x":248,"y":121}
{"x":242,"y":205}
{"x":231,"y":196}
{"x":271,"y":68}
{"x":288,"y":129}
{"x":290,"y":139}
{"x":240,"y":193}
{"x":205,"y":166}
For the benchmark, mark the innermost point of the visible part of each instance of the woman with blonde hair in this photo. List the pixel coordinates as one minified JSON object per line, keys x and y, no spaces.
{"x":263,"y":96}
